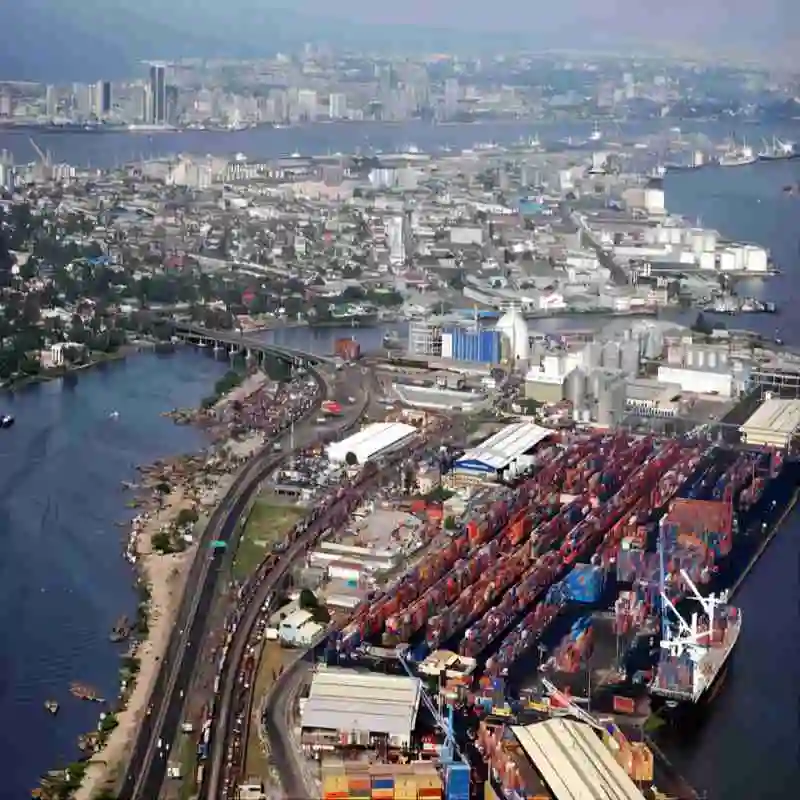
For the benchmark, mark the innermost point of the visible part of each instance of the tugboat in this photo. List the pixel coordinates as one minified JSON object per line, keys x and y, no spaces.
{"x":6,"y":421}
{"x":51,"y":706}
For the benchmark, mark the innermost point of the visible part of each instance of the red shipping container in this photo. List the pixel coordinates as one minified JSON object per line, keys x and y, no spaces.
{"x":623,"y":705}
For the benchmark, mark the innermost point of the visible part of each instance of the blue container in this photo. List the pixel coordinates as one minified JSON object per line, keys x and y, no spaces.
{"x":383,"y":783}
{"x":457,"y":782}
{"x":475,"y":346}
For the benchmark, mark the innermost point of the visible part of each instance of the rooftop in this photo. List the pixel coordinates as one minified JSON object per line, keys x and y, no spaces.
{"x":500,"y":450}
{"x":573,"y":761}
{"x":774,"y":416}
{"x":355,"y":700}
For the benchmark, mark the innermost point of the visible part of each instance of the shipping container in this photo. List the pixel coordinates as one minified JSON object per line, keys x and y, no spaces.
{"x":347,"y":349}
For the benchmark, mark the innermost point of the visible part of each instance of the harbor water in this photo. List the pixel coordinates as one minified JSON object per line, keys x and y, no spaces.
{"x":64,"y":582}
{"x":63,"y":579}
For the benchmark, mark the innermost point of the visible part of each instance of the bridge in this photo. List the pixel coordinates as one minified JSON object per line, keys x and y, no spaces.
{"x":238,"y":343}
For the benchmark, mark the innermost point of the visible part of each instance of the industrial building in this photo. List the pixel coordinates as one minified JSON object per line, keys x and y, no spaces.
{"x":573,"y":762}
{"x":370,"y":442}
{"x":507,"y":450}
{"x":435,"y":398}
{"x":720,"y":381}
{"x":775,"y":423}
{"x":650,"y":398}
{"x":299,"y":629}
{"x":348,"y":707}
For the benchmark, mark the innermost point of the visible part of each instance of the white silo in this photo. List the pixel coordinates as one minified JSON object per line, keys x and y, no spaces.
{"x":611,"y":356}
{"x":592,"y":356}
{"x":709,"y":241}
{"x":711,"y":359}
{"x":699,"y":357}
{"x":595,"y":384}
{"x":629,"y":361}
{"x":688,"y":357}
{"x":514,"y":329}
{"x":575,"y":388}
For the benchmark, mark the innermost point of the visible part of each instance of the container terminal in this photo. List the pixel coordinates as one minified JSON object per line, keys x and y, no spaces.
{"x":564,"y":586}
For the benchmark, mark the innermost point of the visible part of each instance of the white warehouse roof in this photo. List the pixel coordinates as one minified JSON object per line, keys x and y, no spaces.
{"x":498,"y":451}
{"x":371,"y":441}
{"x":365,"y":702}
{"x":573,"y":761}
{"x":773,"y":423}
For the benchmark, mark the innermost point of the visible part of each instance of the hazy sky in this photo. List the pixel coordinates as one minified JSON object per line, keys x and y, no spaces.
{"x":46,"y":39}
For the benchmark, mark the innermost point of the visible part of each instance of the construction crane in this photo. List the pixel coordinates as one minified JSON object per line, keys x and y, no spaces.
{"x":44,"y":158}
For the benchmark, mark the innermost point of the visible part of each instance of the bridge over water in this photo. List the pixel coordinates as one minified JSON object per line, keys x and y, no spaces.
{"x":236,"y":342}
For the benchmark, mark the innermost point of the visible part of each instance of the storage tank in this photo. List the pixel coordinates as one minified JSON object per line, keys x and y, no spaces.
{"x":699,"y":358}
{"x":756,"y":259}
{"x":662,"y":235}
{"x":595,"y":383}
{"x":739,"y":258}
{"x":708,"y":261}
{"x":514,"y":329}
{"x":709,"y":241}
{"x":727,"y":260}
{"x":711,"y":359}
{"x":630,"y":358}
{"x":575,"y":388}
{"x":610,"y":359}
{"x":592,"y":356}
{"x":675,"y":235}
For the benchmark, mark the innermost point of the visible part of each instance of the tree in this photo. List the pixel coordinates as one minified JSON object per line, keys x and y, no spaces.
{"x":351,"y":459}
{"x":308,"y":600}
{"x":186,"y":516}
{"x":161,"y":542}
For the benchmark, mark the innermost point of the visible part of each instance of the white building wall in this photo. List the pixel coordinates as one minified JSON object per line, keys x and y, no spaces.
{"x":698,"y":381}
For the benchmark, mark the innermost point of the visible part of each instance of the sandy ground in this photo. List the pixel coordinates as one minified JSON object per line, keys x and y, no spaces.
{"x":250,"y":385}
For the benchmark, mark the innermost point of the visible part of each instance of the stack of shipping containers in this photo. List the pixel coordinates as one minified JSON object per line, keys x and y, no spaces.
{"x":474,"y":346}
{"x":360,"y":780}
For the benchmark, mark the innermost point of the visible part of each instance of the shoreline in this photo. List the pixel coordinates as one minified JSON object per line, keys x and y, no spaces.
{"x":53,"y":375}
{"x":197,"y":482}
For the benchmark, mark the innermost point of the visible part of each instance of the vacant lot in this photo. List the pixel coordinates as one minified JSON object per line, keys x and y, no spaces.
{"x":267,"y":523}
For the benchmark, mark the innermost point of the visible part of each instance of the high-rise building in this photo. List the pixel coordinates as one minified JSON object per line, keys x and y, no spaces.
{"x":51,"y":101}
{"x":307,"y":104}
{"x":6,"y":104}
{"x":158,"y":94}
{"x":452,"y":93}
{"x":337,"y":105}
{"x":396,"y":240}
{"x":102,"y":99}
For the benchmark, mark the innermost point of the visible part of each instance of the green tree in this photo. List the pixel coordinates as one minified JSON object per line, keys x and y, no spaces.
{"x":307,"y":600}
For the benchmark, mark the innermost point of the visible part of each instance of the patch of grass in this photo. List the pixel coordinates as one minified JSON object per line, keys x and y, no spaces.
{"x":188,"y":766}
{"x":266,"y":525}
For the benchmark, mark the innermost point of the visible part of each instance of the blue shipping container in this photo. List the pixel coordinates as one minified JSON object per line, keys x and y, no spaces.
{"x":457,"y":782}
{"x":585,"y":583}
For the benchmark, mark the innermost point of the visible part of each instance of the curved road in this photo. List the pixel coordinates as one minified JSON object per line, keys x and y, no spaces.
{"x":265,"y":584}
{"x":147,"y":767}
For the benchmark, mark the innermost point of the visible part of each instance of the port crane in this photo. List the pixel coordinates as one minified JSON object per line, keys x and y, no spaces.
{"x":450,"y":750}
{"x":44,"y":158}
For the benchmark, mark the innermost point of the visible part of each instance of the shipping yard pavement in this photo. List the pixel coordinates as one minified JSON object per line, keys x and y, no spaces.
{"x":268,"y":521}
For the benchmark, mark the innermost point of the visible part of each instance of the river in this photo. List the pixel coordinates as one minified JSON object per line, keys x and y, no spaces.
{"x":63,"y":581}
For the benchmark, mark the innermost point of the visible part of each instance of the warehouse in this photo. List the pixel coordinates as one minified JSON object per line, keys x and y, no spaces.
{"x":506,"y":451}
{"x":699,"y":381}
{"x":573,"y":762}
{"x":370,"y":442}
{"x":775,"y":423}
{"x":348,"y":707}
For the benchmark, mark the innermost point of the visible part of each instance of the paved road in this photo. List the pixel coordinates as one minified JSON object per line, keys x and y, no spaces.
{"x":231,"y":696}
{"x":147,"y":767}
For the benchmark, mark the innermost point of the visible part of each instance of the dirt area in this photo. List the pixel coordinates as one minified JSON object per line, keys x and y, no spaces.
{"x":166,"y":576}
{"x":267,"y":523}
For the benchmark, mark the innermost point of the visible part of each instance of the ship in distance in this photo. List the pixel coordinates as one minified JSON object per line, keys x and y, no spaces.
{"x":777,"y":150}
{"x":737,"y":155}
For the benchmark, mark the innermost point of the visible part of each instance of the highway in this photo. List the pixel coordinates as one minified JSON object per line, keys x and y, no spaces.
{"x":147,"y":767}
{"x":256,"y":593}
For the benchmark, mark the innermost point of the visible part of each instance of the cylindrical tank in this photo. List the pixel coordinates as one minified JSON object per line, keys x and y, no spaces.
{"x":699,"y":358}
{"x":711,"y":359}
{"x":655,"y":344}
{"x":592,"y":356}
{"x":610,"y":358}
{"x":575,"y":388}
{"x":630,"y":358}
{"x":595,"y":384}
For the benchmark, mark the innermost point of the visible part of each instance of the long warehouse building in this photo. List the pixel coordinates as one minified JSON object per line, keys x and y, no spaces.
{"x":371,"y":442}
{"x":775,"y":423}
{"x":573,"y":763}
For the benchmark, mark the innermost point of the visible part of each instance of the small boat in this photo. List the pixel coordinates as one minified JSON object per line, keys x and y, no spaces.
{"x":6,"y":421}
{"x":114,"y":415}
{"x":121,"y":631}
{"x":84,"y":692}
{"x":51,"y":706}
